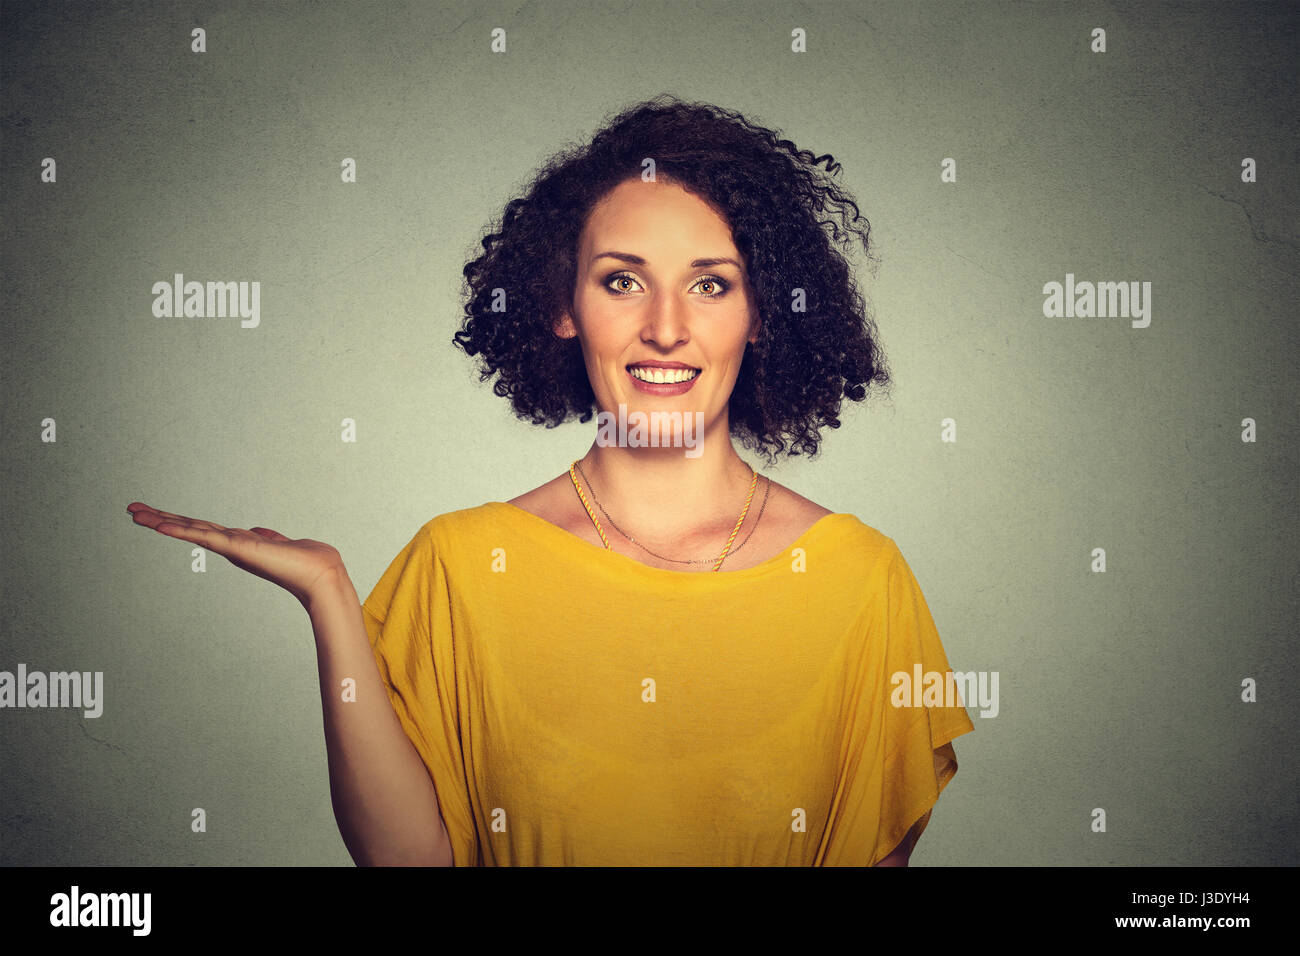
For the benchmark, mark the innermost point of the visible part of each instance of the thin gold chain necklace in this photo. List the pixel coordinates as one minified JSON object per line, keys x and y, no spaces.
{"x":601,"y":531}
{"x":767,"y":490}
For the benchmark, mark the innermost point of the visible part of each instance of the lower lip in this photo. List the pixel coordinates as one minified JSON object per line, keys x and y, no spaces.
{"x":665,"y":388}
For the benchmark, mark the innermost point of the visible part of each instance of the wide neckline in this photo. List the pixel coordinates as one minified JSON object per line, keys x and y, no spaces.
{"x":562,"y":534}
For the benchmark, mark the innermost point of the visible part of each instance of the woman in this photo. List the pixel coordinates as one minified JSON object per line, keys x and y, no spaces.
{"x":657,"y":657}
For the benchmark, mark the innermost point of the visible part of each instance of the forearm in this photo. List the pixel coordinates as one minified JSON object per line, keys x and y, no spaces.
{"x":384,"y":802}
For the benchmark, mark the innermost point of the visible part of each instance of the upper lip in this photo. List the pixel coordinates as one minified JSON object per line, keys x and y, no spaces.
{"x":657,"y":364}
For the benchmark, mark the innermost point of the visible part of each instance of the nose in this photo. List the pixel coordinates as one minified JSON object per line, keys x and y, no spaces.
{"x":665,"y":324}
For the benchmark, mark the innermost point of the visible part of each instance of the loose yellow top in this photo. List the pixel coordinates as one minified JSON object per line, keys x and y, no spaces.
{"x":574,"y":706}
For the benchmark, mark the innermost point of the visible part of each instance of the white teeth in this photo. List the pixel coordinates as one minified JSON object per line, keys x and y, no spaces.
{"x":664,"y":376}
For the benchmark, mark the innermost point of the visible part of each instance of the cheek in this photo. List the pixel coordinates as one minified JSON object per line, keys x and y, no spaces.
{"x":605,"y":349}
{"x":729,"y":345}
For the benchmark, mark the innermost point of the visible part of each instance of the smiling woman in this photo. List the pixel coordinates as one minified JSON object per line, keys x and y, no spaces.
{"x":687,"y":208}
{"x":657,"y":657}
{"x":675,"y":269}
{"x":667,"y":323}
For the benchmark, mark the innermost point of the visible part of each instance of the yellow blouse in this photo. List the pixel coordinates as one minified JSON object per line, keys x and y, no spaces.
{"x":576,"y":707}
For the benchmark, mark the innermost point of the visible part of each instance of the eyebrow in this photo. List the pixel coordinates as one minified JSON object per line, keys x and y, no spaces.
{"x":695,"y":263}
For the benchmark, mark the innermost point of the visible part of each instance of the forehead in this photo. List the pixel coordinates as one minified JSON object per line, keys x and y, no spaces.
{"x":661,"y":212}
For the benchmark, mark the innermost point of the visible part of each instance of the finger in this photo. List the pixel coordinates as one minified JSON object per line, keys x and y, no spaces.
{"x":136,"y":507}
{"x":224,"y":541}
{"x":152,"y":517}
{"x":178,"y":518}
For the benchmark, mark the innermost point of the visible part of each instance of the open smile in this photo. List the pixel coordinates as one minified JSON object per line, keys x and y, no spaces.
{"x":666,"y":378}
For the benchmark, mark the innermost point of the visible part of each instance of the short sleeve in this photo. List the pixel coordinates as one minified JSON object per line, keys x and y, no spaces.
{"x":408,"y":622}
{"x":909,"y":711}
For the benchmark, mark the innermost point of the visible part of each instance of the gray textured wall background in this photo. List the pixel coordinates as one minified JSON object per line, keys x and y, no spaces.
{"x":1118,"y":690}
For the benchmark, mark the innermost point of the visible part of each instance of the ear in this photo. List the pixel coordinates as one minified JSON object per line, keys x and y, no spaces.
{"x":564,"y":327}
{"x":756,"y":324}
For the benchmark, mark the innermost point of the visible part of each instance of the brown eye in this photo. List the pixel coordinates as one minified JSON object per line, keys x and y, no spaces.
{"x":618,"y":277}
{"x":720,"y":284}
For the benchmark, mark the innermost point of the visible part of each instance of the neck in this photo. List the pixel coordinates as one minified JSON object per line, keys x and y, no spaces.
{"x":660,"y":492}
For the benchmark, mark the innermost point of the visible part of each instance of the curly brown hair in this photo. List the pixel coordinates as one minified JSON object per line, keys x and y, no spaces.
{"x":793,"y":379}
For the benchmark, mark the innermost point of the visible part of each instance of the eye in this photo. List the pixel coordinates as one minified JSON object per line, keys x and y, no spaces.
{"x":712,"y":281}
{"x":619,"y":277}
{"x":717,"y":283}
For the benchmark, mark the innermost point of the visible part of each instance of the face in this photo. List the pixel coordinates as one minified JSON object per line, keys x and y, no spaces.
{"x":654,"y":300}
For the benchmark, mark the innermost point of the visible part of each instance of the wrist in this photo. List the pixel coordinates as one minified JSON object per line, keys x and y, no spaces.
{"x":329,"y":592}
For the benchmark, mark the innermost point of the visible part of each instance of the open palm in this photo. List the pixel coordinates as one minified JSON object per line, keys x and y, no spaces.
{"x":298,"y":566}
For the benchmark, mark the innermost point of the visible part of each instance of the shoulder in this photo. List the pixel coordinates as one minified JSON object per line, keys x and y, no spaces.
{"x":799,"y":514}
{"x":793,"y":508}
{"x":866,"y":545}
{"x":544,"y":494}
{"x":450,"y":528}
{"x":554,"y":501}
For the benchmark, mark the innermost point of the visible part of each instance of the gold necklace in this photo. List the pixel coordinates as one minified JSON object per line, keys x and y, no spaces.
{"x":767,"y":490}
{"x":601,"y":531}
